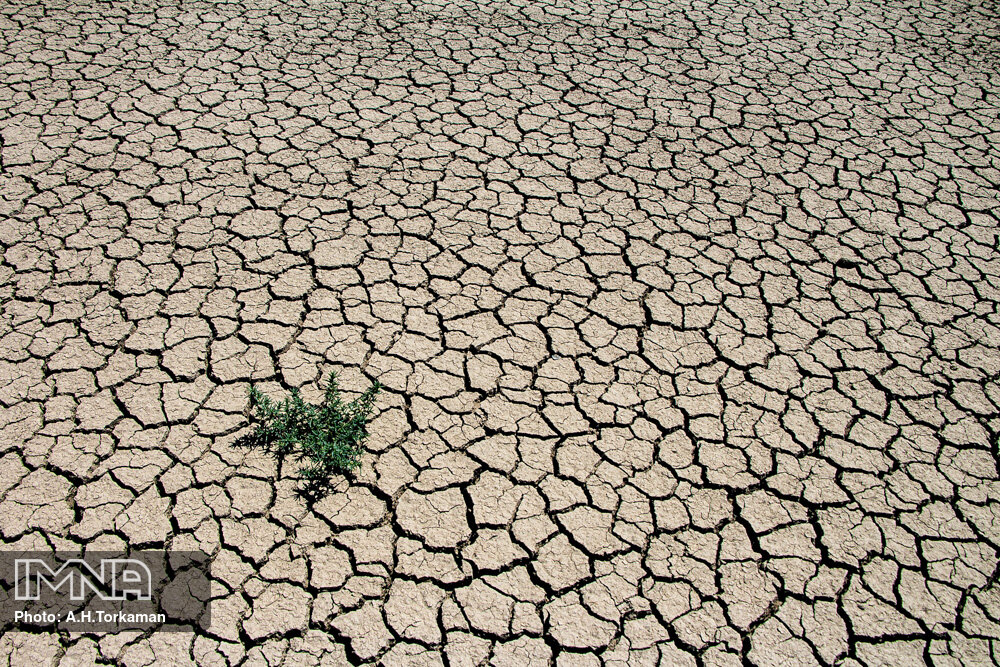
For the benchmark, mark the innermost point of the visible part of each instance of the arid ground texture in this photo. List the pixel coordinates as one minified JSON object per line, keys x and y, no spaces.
{"x":686,"y":315}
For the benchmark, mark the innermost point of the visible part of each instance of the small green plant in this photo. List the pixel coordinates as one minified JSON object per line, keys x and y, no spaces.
{"x":328,"y":436}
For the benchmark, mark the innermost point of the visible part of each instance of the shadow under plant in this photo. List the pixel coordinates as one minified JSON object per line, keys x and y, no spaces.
{"x":328,"y":436}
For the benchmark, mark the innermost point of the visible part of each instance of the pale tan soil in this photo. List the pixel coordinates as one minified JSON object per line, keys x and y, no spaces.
{"x":686,"y":315}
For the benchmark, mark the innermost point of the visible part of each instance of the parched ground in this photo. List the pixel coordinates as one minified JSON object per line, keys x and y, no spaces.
{"x":686,"y":314}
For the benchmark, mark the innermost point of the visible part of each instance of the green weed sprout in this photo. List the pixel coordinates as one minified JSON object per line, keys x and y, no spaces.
{"x":327,"y":436}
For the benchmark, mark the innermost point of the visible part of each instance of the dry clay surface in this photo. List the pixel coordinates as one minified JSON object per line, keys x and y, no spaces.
{"x":686,"y":315}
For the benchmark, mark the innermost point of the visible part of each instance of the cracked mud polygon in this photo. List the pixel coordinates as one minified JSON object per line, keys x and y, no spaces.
{"x":685,"y":314}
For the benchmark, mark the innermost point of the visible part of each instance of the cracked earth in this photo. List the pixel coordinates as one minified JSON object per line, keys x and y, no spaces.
{"x":686,"y":315}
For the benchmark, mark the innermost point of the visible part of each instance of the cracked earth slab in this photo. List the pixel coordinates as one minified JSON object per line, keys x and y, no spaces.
{"x":686,"y":316}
